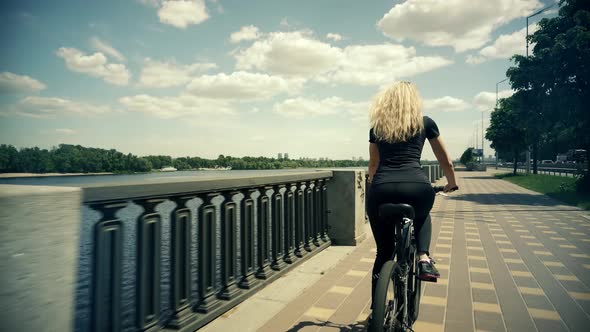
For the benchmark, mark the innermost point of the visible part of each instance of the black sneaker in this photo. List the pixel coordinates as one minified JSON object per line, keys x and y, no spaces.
{"x":427,"y":271}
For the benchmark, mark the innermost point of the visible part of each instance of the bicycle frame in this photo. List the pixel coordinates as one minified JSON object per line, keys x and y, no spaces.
{"x":402,"y":246}
{"x":401,"y":272}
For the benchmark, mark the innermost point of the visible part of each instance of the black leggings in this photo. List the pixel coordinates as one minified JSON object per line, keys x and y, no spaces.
{"x":420,"y":196}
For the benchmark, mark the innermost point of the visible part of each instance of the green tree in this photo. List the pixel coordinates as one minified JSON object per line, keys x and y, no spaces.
{"x":505,"y":131}
{"x":8,"y":156}
{"x":467,"y":156}
{"x":556,"y":76}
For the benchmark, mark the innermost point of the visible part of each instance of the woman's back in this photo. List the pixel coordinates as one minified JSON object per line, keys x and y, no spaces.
{"x":400,"y":161}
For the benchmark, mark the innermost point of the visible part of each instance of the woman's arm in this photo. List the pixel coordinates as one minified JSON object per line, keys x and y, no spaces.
{"x":440,"y":152}
{"x":373,"y":160}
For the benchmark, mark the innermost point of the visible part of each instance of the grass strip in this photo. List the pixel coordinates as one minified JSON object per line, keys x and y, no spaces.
{"x":558,"y":187}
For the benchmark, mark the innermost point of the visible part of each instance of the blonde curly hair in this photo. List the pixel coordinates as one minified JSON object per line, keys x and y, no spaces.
{"x":396,"y":114}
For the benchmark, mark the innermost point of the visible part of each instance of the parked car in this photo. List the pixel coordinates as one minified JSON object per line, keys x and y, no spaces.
{"x":547,"y":162}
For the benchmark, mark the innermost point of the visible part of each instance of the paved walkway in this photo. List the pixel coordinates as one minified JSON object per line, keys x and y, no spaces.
{"x":510,"y":260}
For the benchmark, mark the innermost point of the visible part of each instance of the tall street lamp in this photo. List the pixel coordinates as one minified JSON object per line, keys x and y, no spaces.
{"x":528,"y":151}
{"x":483,"y":135}
{"x":504,"y":80}
{"x":527,"y":25}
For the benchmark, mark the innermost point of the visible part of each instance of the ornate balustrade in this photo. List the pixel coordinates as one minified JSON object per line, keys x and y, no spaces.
{"x":220,"y":242}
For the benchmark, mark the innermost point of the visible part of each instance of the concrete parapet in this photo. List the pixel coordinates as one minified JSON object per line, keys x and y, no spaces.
{"x":346,"y":204}
{"x":39,"y":232}
{"x":426,"y":170}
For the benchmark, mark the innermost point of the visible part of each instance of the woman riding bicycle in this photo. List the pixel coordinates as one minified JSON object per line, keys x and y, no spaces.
{"x":397,"y":135}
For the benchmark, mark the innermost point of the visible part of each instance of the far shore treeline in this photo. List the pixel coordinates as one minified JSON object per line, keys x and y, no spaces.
{"x":68,"y":158}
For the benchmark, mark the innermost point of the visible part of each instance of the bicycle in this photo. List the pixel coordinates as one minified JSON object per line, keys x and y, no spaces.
{"x":397,"y":295}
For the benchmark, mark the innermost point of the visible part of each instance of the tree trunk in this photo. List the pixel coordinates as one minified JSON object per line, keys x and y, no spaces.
{"x":515,"y":162}
{"x":535,"y":156}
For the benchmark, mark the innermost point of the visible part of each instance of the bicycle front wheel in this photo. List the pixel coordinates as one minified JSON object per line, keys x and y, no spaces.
{"x":385,"y":304}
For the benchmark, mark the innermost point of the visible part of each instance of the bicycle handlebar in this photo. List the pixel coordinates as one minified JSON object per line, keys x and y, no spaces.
{"x":442,"y":188}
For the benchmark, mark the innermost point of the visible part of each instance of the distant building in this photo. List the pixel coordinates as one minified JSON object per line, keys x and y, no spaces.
{"x":353,"y":158}
{"x":286,"y":156}
{"x":280,"y":156}
{"x":361,"y":159}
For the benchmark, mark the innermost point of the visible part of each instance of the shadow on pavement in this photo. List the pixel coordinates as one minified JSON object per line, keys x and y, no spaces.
{"x":443,"y":213}
{"x":479,"y":178}
{"x":357,"y":327}
{"x":506,"y":199}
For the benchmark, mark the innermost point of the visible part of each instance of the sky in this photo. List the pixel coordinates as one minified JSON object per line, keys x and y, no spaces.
{"x":249,"y":78}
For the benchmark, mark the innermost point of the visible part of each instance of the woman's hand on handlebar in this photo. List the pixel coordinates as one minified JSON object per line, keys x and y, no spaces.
{"x":451,"y":187}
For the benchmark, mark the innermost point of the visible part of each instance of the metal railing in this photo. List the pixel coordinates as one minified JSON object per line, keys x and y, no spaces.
{"x":557,"y":171}
{"x":220,"y":241}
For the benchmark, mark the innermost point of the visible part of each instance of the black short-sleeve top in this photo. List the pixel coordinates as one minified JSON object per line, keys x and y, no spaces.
{"x":400,"y":162}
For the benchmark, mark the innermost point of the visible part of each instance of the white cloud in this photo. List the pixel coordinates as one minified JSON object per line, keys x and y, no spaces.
{"x":486,"y":100}
{"x":174,"y":107}
{"x":300,"y":107}
{"x":504,"y":47}
{"x":102,"y":46}
{"x":248,"y":32}
{"x":550,"y":11}
{"x":162,"y":74}
{"x":289,"y":53}
{"x":11,"y":83}
{"x":462,"y":24}
{"x":242,"y":85}
{"x":94,"y":65}
{"x":445,"y":104}
{"x":182,"y":13}
{"x":334,"y":36}
{"x":475,"y":59}
{"x":48,"y":107}
{"x":381,"y":64}
{"x":299,"y":54}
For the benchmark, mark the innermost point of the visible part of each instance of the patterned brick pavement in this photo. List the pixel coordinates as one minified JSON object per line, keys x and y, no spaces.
{"x":510,"y":260}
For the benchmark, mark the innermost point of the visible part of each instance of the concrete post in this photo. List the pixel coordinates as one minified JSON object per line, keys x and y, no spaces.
{"x":432,"y":174}
{"x":39,"y":233}
{"x":426,"y":170}
{"x":346,"y":206}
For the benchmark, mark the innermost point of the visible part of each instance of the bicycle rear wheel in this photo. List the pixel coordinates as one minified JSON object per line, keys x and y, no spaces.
{"x":385,"y":303}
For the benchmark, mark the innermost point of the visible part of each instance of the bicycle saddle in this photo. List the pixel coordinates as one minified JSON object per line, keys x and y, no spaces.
{"x":390,"y":210}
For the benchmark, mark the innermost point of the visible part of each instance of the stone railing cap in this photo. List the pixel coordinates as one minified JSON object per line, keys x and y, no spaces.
{"x":190,"y":185}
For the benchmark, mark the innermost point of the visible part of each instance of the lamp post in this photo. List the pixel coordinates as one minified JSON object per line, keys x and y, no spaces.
{"x":483,"y":156}
{"x":504,"y":80}
{"x":527,"y":25}
{"x":528,"y":151}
